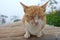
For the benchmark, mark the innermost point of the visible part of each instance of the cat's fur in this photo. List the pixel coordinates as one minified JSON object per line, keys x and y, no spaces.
{"x":34,"y":19}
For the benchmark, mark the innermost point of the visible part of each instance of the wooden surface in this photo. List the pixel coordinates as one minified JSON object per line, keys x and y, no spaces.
{"x":15,"y":31}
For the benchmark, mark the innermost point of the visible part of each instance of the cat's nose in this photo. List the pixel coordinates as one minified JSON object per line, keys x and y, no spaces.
{"x":36,"y":21}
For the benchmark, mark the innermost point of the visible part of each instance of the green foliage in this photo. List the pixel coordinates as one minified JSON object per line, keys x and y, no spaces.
{"x":17,"y":20}
{"x":53,"y":19}
{"x":3,"y":19}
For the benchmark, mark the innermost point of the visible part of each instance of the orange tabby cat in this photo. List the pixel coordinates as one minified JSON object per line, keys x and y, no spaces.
{"x":34,"y":19}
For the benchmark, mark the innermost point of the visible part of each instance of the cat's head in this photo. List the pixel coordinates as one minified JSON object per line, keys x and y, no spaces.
{"x":34,"y":13}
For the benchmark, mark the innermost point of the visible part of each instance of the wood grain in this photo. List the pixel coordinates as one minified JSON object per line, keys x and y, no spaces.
{"x":15,"y":31}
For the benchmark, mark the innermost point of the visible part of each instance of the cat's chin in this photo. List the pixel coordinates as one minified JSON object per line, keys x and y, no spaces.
{"x":36,"y":25}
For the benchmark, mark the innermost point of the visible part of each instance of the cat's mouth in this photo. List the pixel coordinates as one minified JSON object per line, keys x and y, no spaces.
{"x":36,"y":23}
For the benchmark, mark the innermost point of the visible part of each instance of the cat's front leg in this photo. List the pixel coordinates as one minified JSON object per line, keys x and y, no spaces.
{"x":39,"y":34}
{"x":27,"y":34}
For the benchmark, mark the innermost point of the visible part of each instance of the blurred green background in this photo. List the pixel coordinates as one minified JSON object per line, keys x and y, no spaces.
{"x":53,"y":18}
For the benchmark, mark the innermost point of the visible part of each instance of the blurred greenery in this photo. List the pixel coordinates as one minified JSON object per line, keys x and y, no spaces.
{"x":16,"y":20}
{"x":53,"y":18}
{"x":3,"y":19}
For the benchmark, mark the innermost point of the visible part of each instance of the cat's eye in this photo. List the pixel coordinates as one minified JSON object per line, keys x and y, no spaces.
{"x":30,"y":16}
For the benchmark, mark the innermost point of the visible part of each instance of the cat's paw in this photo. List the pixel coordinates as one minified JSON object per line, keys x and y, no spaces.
{"x":27,"y":35}
{"x":39,"y":34}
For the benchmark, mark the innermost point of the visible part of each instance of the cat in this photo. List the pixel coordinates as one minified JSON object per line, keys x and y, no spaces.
{"x":34,"y":19}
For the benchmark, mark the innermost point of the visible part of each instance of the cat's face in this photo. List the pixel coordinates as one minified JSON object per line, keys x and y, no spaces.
{"x":34,"y":14}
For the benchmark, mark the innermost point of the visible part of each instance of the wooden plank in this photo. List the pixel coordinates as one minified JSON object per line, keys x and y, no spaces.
{"x":45,"y":37}
{"x":15,"y":31}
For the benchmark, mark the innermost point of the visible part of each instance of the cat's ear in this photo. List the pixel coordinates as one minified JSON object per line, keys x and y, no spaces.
{"x":24,"y":6}
{"x":44,"y":6}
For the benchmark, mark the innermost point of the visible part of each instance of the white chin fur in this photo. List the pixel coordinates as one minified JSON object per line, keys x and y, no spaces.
{"x":33,"y":29}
